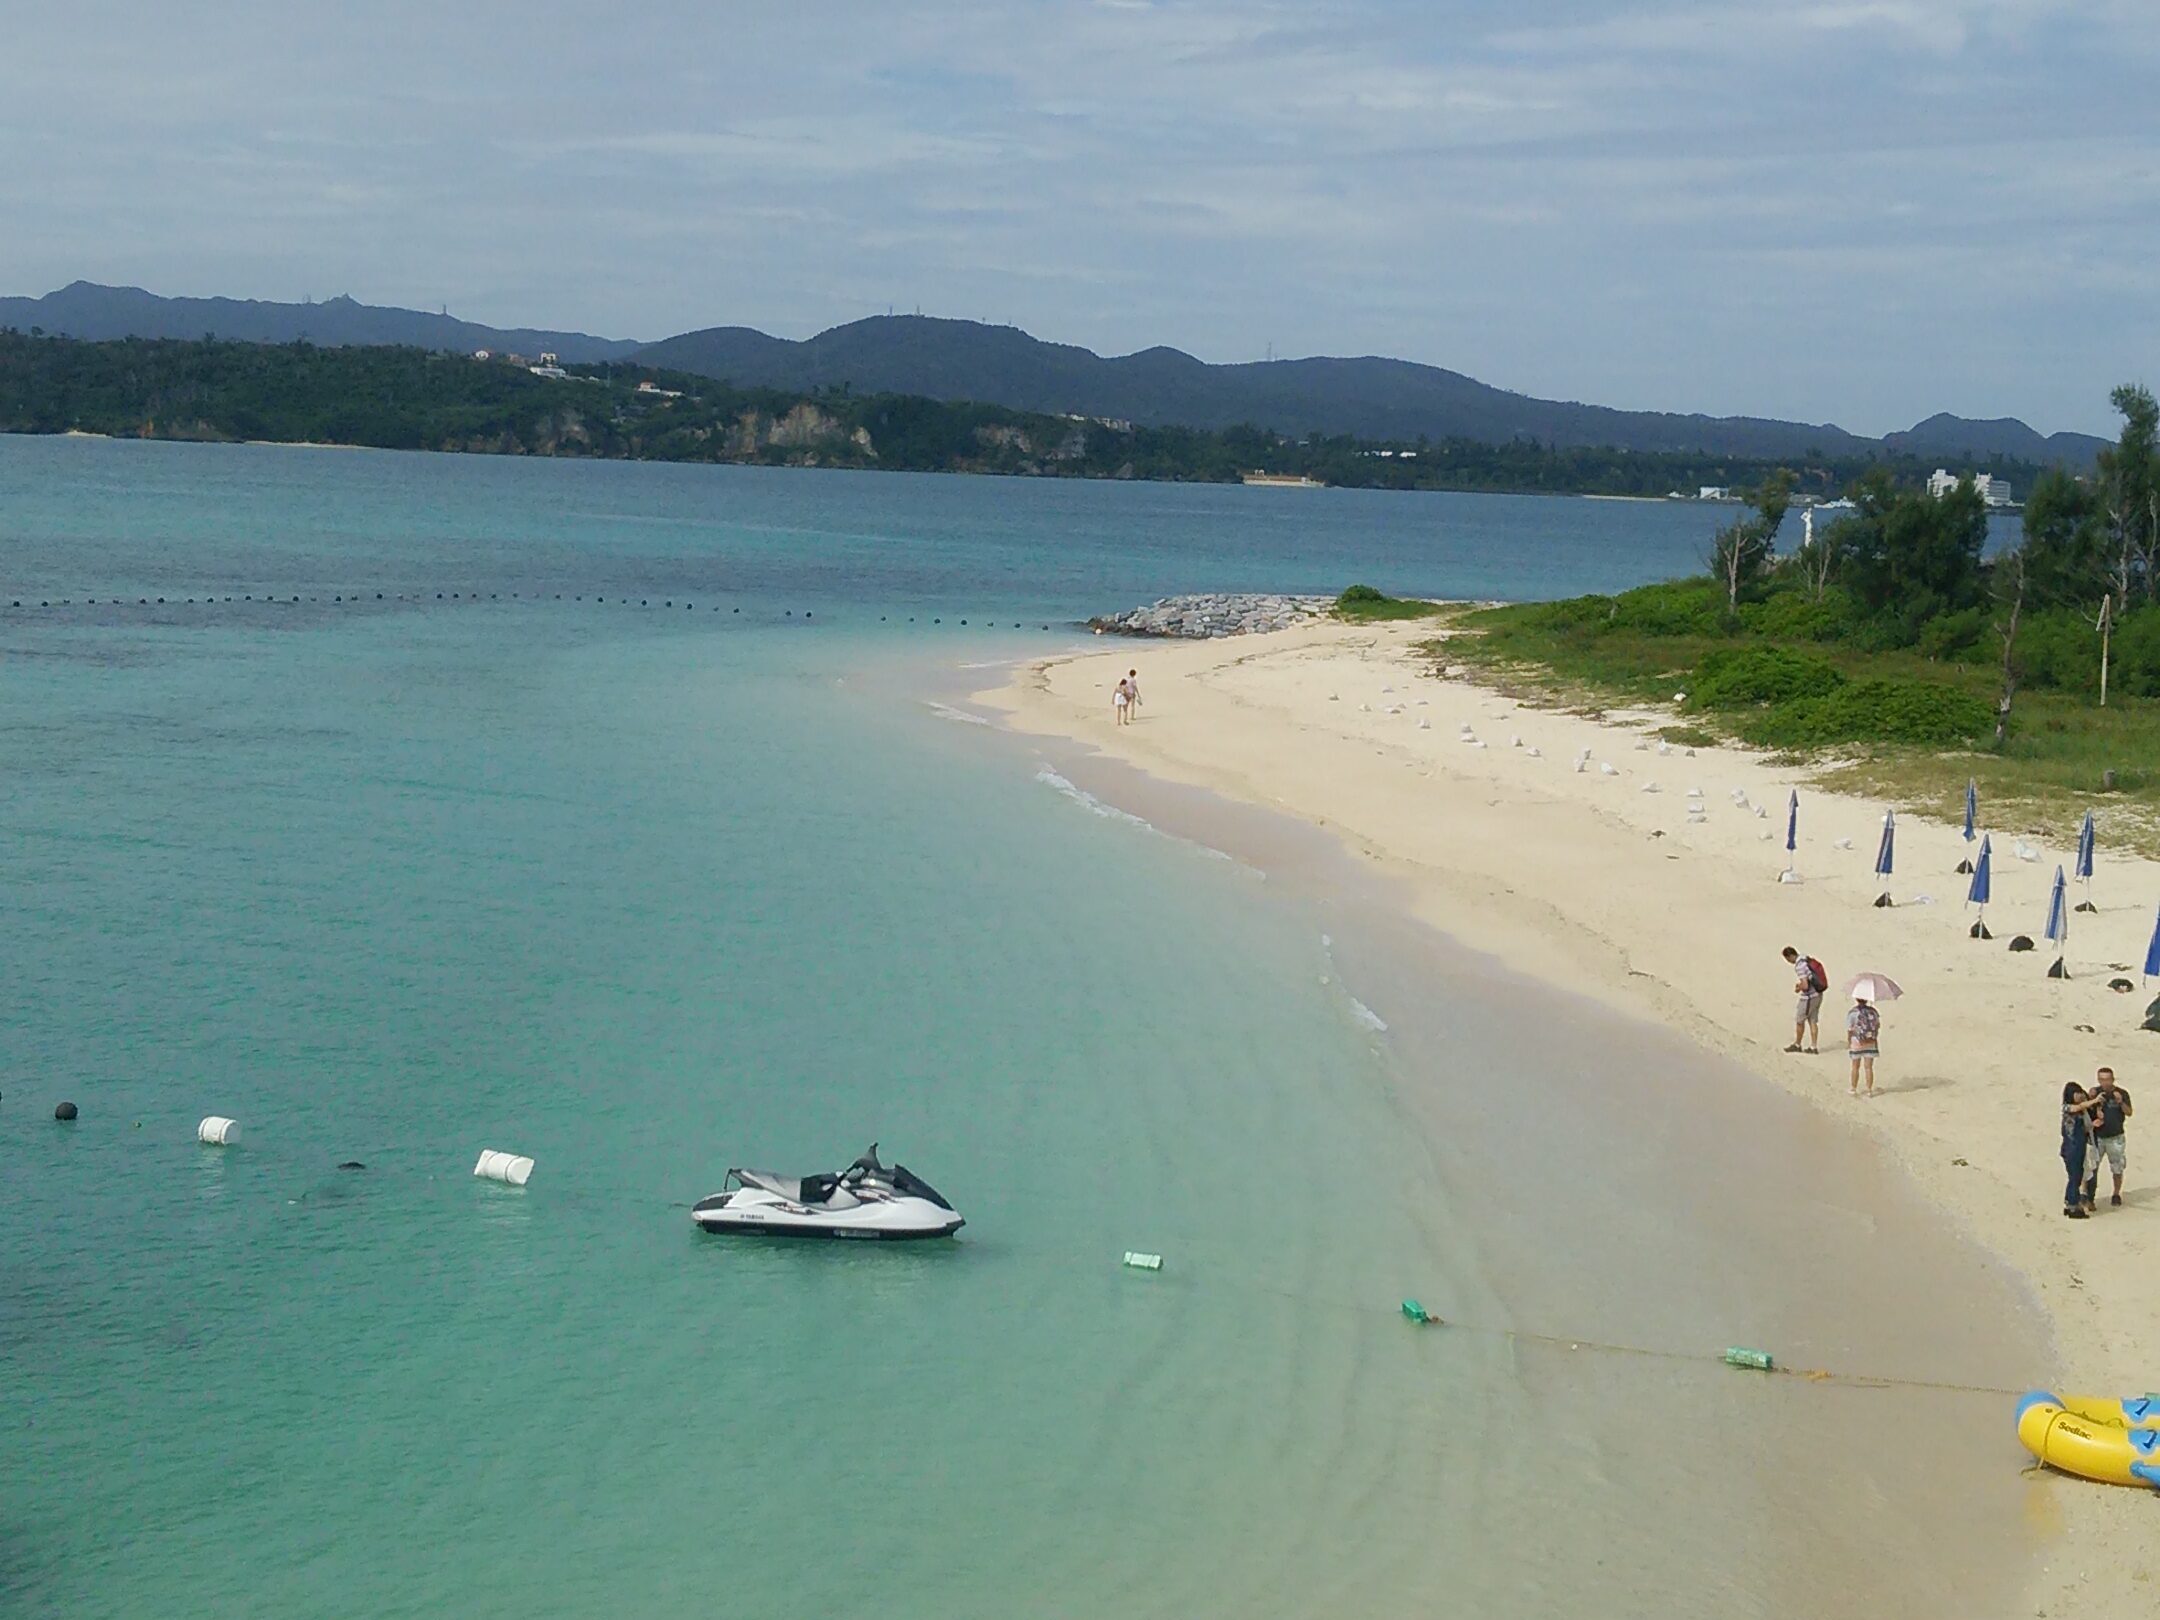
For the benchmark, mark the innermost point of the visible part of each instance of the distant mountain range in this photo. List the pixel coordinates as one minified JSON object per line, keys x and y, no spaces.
{"x":83,"y":309}
{"x":1369,"y":396}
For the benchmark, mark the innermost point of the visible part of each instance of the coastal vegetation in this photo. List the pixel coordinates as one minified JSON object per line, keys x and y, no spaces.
{"x":420,"y":399}
{"x":1893,"y":646}
{"x":1362,"y":604}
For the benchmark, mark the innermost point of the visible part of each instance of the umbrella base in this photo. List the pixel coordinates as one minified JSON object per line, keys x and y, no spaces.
{"x":1884,"y":900}
{"x":2085,"y":905}
{"x":2057,"y":970}
{"x":1964,"y":868}
{"x":1979,"y":930}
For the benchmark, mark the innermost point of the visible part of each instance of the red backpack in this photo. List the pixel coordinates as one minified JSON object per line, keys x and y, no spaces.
{"x":1817,"y":975}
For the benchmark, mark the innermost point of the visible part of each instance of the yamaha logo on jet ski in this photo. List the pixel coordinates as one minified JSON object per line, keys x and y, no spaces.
{"x":866,"y":1200}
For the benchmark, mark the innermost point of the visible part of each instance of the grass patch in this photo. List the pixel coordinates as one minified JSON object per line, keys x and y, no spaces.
{"x":1361,"y":604}
{"x":1896,"y":725}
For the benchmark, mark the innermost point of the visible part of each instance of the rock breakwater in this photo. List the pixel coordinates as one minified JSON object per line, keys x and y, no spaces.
{"x":1204,"y":616}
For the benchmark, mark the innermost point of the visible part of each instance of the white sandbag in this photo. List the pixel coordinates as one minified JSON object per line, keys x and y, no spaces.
{"x":218,"y":1131}
{"x":505,"y":1167}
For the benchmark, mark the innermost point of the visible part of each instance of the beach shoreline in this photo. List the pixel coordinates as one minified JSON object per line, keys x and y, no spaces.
{"x":1593,"y":882}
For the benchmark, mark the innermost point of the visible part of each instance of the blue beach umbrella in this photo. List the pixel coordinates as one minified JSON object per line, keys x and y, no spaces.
{"x":2058,"y":922}
{"x":1885,"y":852}
{"x":2152,"y":951}
{"x":1982,"y":886}
{"x":1972,"y":817}
{"x":2084,"y":866}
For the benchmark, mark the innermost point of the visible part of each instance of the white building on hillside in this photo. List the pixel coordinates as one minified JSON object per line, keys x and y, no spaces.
{"x":1995,"y":491}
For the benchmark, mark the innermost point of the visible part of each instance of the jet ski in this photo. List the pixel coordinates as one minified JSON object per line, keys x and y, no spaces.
{"x":866,"y":1200}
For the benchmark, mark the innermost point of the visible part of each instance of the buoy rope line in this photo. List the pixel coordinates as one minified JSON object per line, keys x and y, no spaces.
{"x":1152,"y":1264}
{"x":11,"y":604}
{"x":1558,"y":1341}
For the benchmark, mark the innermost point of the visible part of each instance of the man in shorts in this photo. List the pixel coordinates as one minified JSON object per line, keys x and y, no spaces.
{"x":1808,"y":987}
{"x":2110,"y":1107}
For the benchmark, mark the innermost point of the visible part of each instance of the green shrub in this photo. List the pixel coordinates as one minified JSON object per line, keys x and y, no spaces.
{"x":1953,"y":635}
{"x":1361,"y":604}
{"x":1879,"y":711}
{"x":1740,"y":677}
{"x":1796,"y":616}
{"x":1680,"y":607}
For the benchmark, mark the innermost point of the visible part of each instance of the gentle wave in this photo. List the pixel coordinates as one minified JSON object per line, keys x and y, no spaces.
{"x":1366,"y":1016}
{"x":1081,"y":796}
{"x":945,"y":711}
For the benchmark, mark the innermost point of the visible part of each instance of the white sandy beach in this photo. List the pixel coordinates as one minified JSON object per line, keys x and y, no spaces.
{"x":1593,"y":881}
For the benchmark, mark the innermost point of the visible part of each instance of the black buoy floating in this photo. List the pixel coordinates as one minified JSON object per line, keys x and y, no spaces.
{"x":65,"y":1111}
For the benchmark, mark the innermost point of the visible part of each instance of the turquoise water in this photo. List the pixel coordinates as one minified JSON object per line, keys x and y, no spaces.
{"x":648,"y":892}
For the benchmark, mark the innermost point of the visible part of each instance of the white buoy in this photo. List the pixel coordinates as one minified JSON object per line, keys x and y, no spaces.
{"x":506,"y":1167}
{"x":218,"y":1131}
{"x":1143,"y":1262}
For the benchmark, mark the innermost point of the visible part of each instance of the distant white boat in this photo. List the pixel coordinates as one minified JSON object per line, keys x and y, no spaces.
{"x":1841,"y":504}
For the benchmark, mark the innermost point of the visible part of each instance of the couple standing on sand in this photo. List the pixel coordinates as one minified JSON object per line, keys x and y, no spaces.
{"x":2092,"y":1130}
{"x":1125,"y":697}
{"x":1863,"y":1024}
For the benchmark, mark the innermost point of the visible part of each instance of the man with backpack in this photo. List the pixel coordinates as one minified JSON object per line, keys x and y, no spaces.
{"x":1810,"y":980}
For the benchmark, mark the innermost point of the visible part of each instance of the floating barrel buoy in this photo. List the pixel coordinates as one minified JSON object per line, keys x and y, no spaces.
{"x":506,"y":1167}
{"x":2116,"y":1442}
{"x":1143,"y":1262}
{"x":1759,"y":1360}
{"x":218,"y":1131}
{"x":65,"y":1111}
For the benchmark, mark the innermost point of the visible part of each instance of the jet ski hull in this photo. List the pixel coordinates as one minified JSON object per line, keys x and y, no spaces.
{"x":734,"y":1215}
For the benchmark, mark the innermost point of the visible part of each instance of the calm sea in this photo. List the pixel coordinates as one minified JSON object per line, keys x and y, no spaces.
{"x":454,"y":854}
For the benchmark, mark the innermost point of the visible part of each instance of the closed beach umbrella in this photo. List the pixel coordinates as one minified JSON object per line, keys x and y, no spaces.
{"x":2085,"y":861}
{"x":2152,"y":951}
{"x":1880,"y":986}
{"x":1982,"y":884}
{"x":1972,"y":817}
{"x":2058,"y":921}
{"x":1792,"y":836}
{"x":1884,"y":853}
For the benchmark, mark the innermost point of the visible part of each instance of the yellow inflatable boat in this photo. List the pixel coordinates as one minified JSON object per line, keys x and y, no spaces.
{"x":2114,"y":1441}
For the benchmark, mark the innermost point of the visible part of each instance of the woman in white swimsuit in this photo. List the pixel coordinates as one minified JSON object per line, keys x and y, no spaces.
{"x":1121,"y":701}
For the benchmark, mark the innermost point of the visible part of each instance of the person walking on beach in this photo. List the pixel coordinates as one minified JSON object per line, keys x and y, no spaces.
{"x":1132,"y":694}
{"x":2076,"y":1148}
{"x":1121,"y":702}
{"x":1810,"y":980}
{"x":1863,"y":1036}
{"x":2110,"y":1107}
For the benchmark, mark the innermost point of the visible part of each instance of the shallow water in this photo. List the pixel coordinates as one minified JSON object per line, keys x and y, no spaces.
{"x":648,"y":892}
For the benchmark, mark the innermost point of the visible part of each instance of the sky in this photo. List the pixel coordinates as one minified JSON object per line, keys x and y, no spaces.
{"x":1849,"y":211}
